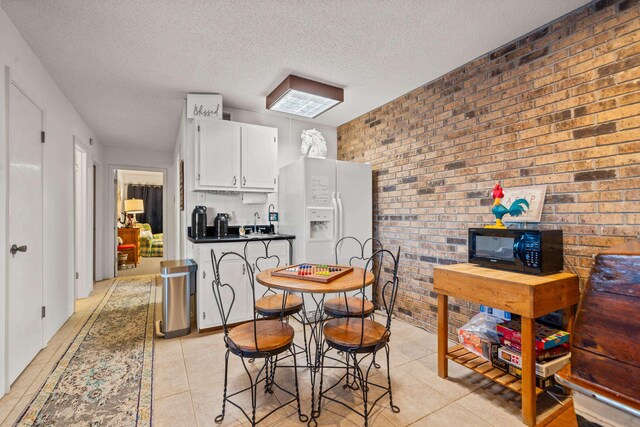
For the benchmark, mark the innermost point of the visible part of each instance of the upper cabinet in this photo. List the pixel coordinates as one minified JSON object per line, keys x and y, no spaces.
{"x":259,"y":157}
{"x":233,"y":156}
{"x":217,"y":155}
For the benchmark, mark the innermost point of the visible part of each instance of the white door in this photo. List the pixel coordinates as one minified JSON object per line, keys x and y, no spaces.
{"x":259,"y":157}
{"x":24,"y":314}
{"x":218,"y":154}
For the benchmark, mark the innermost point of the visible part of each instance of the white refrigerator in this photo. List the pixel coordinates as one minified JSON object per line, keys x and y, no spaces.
{"x":322,"y":201}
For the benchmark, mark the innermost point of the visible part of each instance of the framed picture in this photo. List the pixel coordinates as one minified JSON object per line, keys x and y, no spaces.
{"x":534,"y":194}
{"x":204,"y":105}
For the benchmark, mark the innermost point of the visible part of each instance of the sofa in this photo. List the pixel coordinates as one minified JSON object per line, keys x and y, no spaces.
{"x":151,"y":245}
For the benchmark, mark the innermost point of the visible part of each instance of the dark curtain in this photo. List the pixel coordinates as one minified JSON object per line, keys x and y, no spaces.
{"x":151,"y":196}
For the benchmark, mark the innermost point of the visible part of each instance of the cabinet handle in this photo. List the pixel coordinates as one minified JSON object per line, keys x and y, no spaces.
{"x":234,"y":180}
{"x":243,"y":269}
{"x":204,"y":274}
{"x":244,"y":180}
{"x":204,"y":315}
{"x":197,"y":177}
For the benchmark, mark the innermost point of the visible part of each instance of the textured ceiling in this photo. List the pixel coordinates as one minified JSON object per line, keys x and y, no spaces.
{"x":127,"y":65}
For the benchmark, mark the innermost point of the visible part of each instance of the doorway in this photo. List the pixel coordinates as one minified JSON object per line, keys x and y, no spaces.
{"x":83,"y":234}
{"x":140,"y":220}
{"x":25,"y":309}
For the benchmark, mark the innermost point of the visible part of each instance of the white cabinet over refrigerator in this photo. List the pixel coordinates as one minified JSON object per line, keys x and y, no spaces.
{"x":322,"y":201}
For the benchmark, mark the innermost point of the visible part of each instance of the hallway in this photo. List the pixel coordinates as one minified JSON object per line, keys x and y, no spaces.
{"x":149,"y":265}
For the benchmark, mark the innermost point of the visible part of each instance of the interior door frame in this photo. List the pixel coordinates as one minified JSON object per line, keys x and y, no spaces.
{"x":82,"y":225}
{"x":113,"y":206}
{"x":12,"y":79}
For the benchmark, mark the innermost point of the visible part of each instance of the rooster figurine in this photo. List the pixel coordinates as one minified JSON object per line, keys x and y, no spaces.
{"x":518,"y":207}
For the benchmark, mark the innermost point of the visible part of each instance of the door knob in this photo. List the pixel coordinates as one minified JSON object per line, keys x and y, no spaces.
{"x":15,"y":249}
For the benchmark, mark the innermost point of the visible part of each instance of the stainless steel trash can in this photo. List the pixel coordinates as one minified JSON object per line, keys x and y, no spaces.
{"x":178,"y":283}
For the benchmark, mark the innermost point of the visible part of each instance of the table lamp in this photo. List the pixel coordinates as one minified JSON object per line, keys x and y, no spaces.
{"x":131,"y":208}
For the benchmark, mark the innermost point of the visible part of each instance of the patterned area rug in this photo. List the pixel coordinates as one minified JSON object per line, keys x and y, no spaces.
{"x":105,"y":376}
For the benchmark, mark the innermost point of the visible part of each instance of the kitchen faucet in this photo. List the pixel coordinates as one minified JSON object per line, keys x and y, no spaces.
{"x":256,"y":217}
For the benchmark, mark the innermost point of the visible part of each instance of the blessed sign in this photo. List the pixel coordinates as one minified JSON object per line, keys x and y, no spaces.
{"x":534,"y":194}
{"x":204,"y":106}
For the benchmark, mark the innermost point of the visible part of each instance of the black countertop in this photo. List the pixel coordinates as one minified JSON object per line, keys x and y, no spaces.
{"x":237,"y":238}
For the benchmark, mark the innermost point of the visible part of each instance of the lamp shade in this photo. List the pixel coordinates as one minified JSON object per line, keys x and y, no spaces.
{"x":134,"y":206}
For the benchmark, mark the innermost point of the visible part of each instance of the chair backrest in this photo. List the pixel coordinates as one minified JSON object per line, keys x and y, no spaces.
{"x":222,"y":288}
{"x":265,"y":256}
{"x":144,"y":226}
{"x":358,"y":256}
{"x":389,"y":290}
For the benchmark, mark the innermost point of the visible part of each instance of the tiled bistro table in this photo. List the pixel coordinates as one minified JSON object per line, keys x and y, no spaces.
{"x":530,"y":296}
{"x":317,"y":292}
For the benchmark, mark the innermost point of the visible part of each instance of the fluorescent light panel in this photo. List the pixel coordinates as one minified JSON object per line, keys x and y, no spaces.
{"x":304,"y":97}
{"x":303,"y":104}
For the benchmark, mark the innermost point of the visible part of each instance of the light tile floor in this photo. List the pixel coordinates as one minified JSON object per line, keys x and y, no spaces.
{"x":188,"y":382}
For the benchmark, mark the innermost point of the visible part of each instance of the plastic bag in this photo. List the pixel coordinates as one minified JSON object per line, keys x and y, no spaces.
{"x":479,"y":335}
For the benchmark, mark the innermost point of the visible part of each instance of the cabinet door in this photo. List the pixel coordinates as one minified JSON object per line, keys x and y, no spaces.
{"x":207,"y":313}
{"x":259,"y":157}
{"x":218,"y":154}
{"x":234,"y":273}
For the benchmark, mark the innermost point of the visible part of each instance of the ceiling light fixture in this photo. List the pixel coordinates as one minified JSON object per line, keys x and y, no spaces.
{"x":304,"y":97}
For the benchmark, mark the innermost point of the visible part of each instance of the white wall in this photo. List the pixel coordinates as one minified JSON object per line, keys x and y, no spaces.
{"x":127,"y":158}
{"x":289,"y":140}
{"x":62,"y":122}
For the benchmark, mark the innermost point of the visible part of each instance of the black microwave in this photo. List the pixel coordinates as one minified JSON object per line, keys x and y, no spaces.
{"x":522,"y":250}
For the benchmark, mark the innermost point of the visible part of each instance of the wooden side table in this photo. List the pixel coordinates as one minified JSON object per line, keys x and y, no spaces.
{"x":527,"y":295}
{"x":131,"y":236}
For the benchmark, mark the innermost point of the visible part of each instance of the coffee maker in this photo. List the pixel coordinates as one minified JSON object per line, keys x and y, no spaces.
{"x":199,"y":222}
{"x":222,"y":224}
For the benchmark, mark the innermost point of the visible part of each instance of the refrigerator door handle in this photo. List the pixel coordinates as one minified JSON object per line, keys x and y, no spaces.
{"x":340,"y":216}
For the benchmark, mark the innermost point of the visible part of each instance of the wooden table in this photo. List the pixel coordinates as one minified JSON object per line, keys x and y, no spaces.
{"x":349,"y":282}
{"x":530,"y":296}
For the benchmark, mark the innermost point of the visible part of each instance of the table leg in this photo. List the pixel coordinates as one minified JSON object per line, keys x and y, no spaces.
{"x":528,"y":372}
{"x":443,"y":335}
{"x":316,"y":341}
{"x":569,"y":320}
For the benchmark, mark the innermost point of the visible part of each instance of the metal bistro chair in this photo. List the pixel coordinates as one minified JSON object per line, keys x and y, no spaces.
{"x":356,"y":305}
{"x":256,"y":339}
{"x":359,"y":338}
{"x":272,"y":304}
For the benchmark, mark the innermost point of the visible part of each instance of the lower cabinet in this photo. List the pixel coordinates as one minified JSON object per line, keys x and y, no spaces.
{"x":237,"y":299}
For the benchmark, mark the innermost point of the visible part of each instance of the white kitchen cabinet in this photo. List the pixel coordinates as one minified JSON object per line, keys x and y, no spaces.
{"x":259,"y":157}
{"x":232,"y":156}
{"x":217,"y":155}
{"x":234,"y":272}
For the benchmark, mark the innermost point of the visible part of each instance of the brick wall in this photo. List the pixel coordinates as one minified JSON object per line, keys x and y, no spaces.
{"x":559,"y":106}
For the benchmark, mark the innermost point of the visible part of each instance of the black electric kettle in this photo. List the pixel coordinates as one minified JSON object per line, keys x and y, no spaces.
{"x":222,"y":224}
{"x":199,"y":222}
